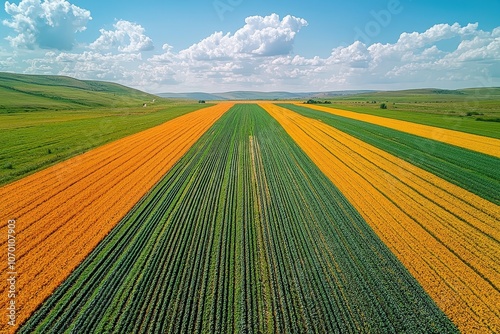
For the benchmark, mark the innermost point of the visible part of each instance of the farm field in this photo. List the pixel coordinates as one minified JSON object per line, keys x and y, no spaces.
{"x":447,"y":237}
{"x":469,"y":141}
{"x":36,"y":140}
{"x":249,"y":167}
{"x":473,"y":110}
{"x":45,"y":120}
{"x":244,"y":233}
{"x":64,"y":211}
{"x":472,"y":171}
{"x":246,"y":216}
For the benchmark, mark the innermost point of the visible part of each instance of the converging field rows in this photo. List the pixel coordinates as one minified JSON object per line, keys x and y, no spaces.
{"x":257,"y":218}
{"x":63,"y":212}
{"x":447,"y":237}
{"x":244,"y":234}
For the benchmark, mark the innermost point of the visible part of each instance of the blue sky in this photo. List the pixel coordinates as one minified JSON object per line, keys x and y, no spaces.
{"x":221,"y":45}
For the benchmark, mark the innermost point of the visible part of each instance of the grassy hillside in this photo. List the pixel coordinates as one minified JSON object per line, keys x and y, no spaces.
{"x":46,"y":119}
{"x":20,"y":92}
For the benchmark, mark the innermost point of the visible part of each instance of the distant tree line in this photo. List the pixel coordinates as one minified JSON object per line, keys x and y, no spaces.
{"x":311,"y":101}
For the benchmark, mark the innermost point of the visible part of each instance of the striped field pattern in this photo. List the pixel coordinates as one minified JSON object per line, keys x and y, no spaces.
{"x":446,"y":236}
{"x":263,"y":218}
{"x":63,"y":212}
{"x":466,"y":140}
{"x":245,"y":234}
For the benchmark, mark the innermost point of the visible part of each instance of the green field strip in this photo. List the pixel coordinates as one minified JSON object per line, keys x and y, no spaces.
{"x":27,"y":149}
{"x":446,"y":115}
{"x":473,"y":171}
{"x":243,"y":234}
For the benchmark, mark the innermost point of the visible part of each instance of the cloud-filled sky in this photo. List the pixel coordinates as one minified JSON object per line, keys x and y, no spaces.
{"x":222,"y":45}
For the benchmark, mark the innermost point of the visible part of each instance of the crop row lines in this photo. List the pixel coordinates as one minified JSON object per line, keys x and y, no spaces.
{"x":244,"y":234}
{"x":450,"y":246}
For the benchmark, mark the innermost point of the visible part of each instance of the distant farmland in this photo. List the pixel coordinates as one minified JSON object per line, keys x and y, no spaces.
{"x":244,"y":233}
{"x":253,"y":217}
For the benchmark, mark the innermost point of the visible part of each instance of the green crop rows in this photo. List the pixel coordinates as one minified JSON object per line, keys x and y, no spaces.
{"x":473,"y":171}
{"x":245,"y":235}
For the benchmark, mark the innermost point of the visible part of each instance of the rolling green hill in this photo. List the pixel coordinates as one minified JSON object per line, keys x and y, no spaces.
{"x":48,"y":119}
{"x":19,"y":92}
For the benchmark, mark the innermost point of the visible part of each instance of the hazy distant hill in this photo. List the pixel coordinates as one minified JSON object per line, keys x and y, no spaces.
{"x":254,"y":95}
{"x":466,"y":95}
{"x":35,"y":92}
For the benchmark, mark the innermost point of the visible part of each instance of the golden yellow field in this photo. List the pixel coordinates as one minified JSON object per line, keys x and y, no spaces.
{"x":63,"y":212}
{"x":447,"y":237}
{"x":473,"y":142}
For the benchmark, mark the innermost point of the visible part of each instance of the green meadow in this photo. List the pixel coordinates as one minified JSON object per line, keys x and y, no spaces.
{"x":46,"y":119}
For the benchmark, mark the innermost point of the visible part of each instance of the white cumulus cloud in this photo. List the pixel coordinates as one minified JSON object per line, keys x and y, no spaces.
{"x":127,"y":37}
{"x":260,"y":36}
{"x":434,"y":34}
{"x":259,"y":56}
{"x":416,"y":58}
{"x":47,"y":24}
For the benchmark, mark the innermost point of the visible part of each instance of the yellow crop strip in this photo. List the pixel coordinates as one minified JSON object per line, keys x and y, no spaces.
{"x":447,"y":237}
{"x":486,"y":145}
{"x":63,"y":212}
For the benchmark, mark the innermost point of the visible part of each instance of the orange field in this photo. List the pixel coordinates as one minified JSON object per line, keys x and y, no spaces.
{"x":469,"y":141}
{"x":63,"y":212}
{"x":447,"y":237}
